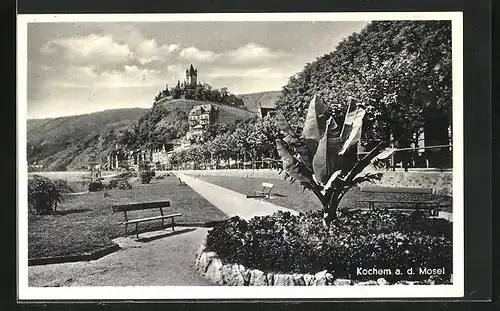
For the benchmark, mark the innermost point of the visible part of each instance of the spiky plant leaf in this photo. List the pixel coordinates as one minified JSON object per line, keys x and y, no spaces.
{"x":293,"y":167}
{"x":369,"y":177}
{"x":289,"y":135}
{"x":363,"y":163}
{"x":286,"y":157}
{"x":351,"y":132}
{"x":315,"y":124}
{"x":293,"y":140}
{"x":326,"y":160}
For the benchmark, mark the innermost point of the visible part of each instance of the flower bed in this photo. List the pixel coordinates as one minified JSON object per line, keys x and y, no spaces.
{"x":363,"y":246}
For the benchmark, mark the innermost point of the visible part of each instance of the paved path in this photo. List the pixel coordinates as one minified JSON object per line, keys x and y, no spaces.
{"x":230,"y":202}
{"x":164,"y":260}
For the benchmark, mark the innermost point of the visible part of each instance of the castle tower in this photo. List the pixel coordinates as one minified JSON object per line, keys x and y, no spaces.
{"x":191,"y":76}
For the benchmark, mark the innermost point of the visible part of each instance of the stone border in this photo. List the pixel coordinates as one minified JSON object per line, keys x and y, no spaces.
{"x":212,"y":268}
{"x":73,"y":258}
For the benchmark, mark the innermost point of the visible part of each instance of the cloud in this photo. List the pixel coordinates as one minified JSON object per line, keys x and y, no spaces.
{"x":264,"y":73}
{"x":148,"y":51}
{"x":90,"y":47}
{"x":194,"y":54}
{"x":251,"y":52}
{"x":106,"y":52}
{"x":89,"y":77}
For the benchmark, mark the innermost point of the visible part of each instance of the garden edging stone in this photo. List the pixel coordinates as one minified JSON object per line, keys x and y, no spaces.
{"x":211,"y":267}
{"x":73,"y":258}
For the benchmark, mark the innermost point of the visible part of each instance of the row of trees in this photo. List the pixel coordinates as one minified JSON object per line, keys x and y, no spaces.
{"x":250,"y":140}
{"x":200,"y":92}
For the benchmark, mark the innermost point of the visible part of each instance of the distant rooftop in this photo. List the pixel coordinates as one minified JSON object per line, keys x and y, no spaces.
{"x":201,"y":108}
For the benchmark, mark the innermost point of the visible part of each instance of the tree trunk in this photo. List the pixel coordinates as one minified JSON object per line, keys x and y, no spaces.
{"x":330,"y":211}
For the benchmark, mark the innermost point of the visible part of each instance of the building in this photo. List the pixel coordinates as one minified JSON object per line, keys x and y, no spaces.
{"x":191,"y":76}
{"x":160,"y":157}
{"x":117,"y":159}
{"x":267,"y":107}
{"x":200,"y":117}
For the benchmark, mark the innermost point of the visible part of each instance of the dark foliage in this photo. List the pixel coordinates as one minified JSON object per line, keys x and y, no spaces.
{"x":200,"y":92}
{"x":146,"y":176}
{"x":124,"y":185}
{"x":43,"y":195}
{"x":158,"y":126}
{"x":400,"y":70}
{"x":300,"y":244}
{"x":95,"y":186}
{"x":120,"y":183}
{"x":62,"y":186}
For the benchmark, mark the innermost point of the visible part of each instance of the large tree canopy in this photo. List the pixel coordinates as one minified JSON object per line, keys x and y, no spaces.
{"x":400,"y":71}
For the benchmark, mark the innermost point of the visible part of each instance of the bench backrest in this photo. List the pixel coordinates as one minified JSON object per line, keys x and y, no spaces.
{"x":395,"y":189}
{"x":140,"y":206}
{"x":267,"y":187}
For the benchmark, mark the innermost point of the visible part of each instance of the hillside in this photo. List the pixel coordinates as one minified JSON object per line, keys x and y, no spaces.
{"x":227,"y":113}
{"x":70,"y":141}
{"x":251,"y":101}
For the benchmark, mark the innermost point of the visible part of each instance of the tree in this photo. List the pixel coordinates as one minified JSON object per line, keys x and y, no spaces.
{"x":224,"y":93}
{"x":400,"y":71}
{"x":177,"y":91}
{"x":126,"y":137}
{"x":34,"y":151}
{"x":43,"y":195}
{"x":321,"y":159}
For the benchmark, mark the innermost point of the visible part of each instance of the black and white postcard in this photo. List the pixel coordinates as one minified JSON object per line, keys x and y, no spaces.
{"x":240,"y":156}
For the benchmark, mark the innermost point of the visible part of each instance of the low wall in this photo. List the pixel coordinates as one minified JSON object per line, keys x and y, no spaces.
{"x":440,"y":182}
{"x":211,"y":267}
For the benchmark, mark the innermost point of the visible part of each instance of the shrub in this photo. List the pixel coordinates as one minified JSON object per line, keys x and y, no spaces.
{"x":43,"y":195}
{"x":95,"y":186}
{"x":113,"y":183}
{"x":146,"y":176}
{"x":63,"y":186}
{"x":124,"y":185}
{"x":300,"y":244}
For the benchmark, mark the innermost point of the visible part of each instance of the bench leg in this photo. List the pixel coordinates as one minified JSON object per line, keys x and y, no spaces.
{"x":162,"y":222}
{"x":126,"y":226}
{"x":173,"y":229}
{"x":137,"y":230}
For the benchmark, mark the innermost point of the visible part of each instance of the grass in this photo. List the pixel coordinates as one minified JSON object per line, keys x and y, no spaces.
{"x":85,"y":222}
{"x":291,"y":195}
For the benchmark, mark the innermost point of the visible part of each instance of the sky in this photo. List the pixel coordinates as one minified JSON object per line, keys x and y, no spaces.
{"x":77,"y":68}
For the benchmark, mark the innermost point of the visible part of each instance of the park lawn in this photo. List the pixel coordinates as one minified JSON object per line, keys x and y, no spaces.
{"x":291,"y":195}
{"x":85,"y":222}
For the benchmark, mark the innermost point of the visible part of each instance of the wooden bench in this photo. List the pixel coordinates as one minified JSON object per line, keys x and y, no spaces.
{"x":432,"y":207}
{"x":144,"y":206}
{"x":265,"y":192}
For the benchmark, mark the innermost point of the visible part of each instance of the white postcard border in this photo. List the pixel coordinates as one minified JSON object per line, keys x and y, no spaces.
{"x":215,"y":292}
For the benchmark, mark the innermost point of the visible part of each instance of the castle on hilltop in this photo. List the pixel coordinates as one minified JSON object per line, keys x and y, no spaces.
{"x":191,"y":76}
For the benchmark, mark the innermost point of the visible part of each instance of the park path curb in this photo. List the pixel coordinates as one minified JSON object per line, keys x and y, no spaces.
{"x":73,"y":258}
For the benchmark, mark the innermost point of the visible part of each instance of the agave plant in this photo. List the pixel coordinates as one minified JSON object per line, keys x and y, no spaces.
{"x":321,"y":159}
